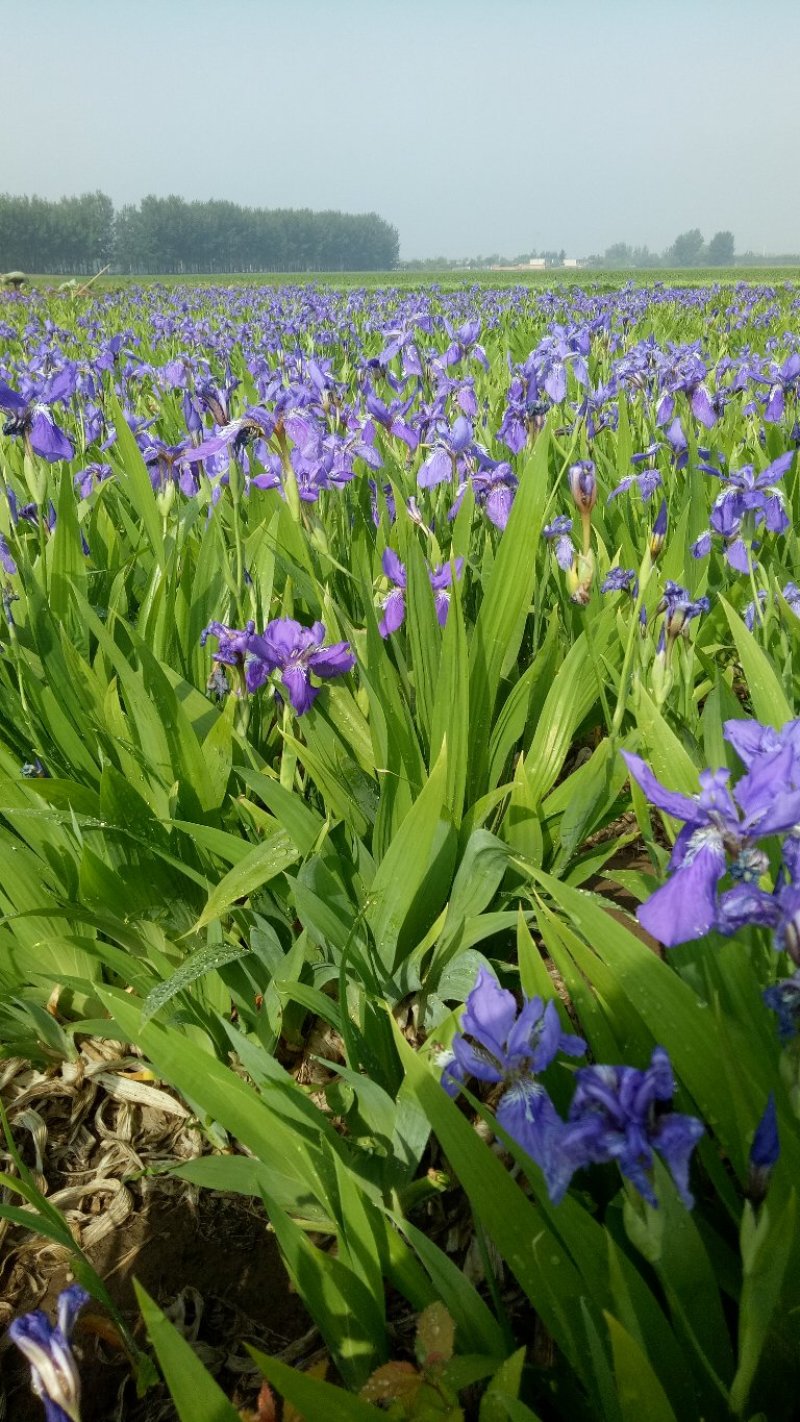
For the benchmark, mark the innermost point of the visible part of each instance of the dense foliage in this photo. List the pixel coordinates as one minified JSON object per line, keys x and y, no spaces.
{"x":171,"y":235}
{"x":360,"y":647}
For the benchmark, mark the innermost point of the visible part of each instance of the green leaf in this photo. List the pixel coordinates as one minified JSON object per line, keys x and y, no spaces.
{"x":312,"y":1397}
{"x":639,"y":1390}
{"x":450,"y":716}
{"x":769,"y":699}
{"x":269,"y":1123}
{"x":217,"y":755}
{"x":300,"y":821}
{"x":338,"y":1300}
{"x":135,"y":480}
{"x":767,"y":1240}
{"x":500,"y":625}
{"x":402,"y":871}
{"x":514,"y":716}
{"x":69,"y":564}
{"x":569,"y":700}
{"x":204,"y":960}
{"x":196,"y":1396}
{"x":667,"y":755}
{"x":257,"y":868}
{"x":478,"y":1329}
{"x":424,"y":633}
{"x":504,"y":1389}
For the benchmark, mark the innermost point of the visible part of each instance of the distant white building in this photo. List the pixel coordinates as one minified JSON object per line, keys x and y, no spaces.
{"x":537,"y":262}
{"x":571,"y":262}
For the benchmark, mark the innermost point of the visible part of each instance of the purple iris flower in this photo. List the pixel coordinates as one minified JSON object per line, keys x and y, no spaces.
{"x":441,"y":583}
{"x":751,"y":740}
{"x":753,"y":610}
{"x":717,"y":824}
{"x":232,"y":644}
{"x":463,"y":341}
{"x":86,"y":479}
{"x":618,"y":1114}
{"x":783,"y":380}
{"x":394,"y":604}
{"x":453,"y":444}
{"x":647,"y":482}
{"x":54,"y":1372}
{"x":525,"y":412}
{"x":784,"y":999}
{"x":494,"y":486}
{"x":791,"y":594}
{"x":255,"y":424}
{"x":6,"y":556}
{"x":703,"y":406}
{"x":35,"y":424}
{"x":215,"y":400}
{"x":388,"y":493}
{"x":391,"y":417}
{"x":295,"y":651}
{"x":678,"y":443}
{"x":679,"y":608}
{"x":167,"y":464}
{"x":749,"y":497}
{"x":746,"y":903}
{"x":787,"y":922}
{"x":500,"y":1043}
{"x":621,"y":580}
{"x":560,"y":531}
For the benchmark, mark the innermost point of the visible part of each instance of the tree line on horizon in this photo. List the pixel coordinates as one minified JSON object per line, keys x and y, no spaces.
{"x":688,"y":250}
{"x":170,"y":236}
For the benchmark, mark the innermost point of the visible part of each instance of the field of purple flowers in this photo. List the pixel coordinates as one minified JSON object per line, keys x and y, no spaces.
{"x":399,"y":768}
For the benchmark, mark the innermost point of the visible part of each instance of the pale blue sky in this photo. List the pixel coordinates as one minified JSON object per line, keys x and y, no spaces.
{"x":472,"y":125}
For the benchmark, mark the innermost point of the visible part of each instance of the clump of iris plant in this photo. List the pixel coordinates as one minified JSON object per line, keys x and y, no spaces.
{"x":285,"y":647}
{"x":618,"y":1113}
{"x":54,"y":1372}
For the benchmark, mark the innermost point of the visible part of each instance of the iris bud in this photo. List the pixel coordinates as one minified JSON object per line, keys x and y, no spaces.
{"x":580,"y":578}
{"x":764,"y":1153}
{"x":661,"y":675}
{"x":583,"y":485}
{"x":165,"y":498}
{"x":659,"y":531}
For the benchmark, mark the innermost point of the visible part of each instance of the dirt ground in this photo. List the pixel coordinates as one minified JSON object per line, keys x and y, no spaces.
{"x":206,"y":1257}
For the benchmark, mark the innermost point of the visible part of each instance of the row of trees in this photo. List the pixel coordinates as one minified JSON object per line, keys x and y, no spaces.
{"x":170,"y":235}
{"x":550,"y":256}
{"x":689,"y":249}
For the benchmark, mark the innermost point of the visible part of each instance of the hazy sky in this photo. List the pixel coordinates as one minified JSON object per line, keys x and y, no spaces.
{"x":474,"y":126}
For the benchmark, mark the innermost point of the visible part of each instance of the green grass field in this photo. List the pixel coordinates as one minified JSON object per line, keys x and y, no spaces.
{"x":450,"y":279}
